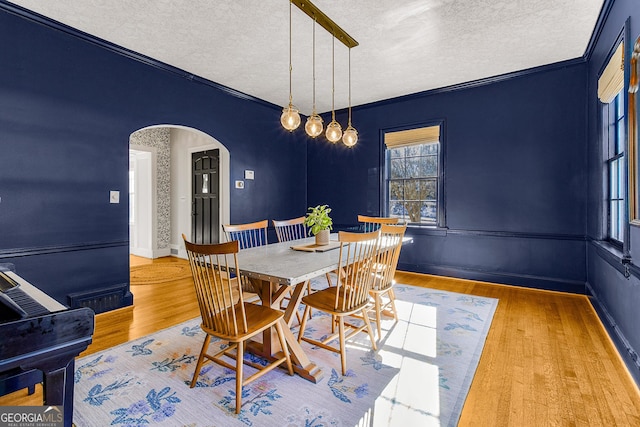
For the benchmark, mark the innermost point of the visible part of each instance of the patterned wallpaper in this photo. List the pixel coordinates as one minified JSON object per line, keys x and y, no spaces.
{"x":159,"y":138}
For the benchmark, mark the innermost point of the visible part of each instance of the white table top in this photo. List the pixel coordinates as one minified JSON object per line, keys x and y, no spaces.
{"x":278,"y":263}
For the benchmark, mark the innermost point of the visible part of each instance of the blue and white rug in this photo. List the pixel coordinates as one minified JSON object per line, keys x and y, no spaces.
{"x":419,"y":376}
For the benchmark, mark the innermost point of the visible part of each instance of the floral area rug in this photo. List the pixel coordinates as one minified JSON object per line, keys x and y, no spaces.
{"x":419,"y":376}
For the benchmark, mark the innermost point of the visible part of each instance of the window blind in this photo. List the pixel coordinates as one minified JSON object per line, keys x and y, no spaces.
{"x":611,"y":81}
{"x":405,"y":138}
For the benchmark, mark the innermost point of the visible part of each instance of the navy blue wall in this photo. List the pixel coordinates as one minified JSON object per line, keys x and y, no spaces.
{"x":67,"y":108}
{"x":523,"y":169}
{"x":514,"y":183}
{"x":616,"y":297}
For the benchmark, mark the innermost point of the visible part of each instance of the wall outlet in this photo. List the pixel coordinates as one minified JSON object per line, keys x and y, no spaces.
{"x":240,"y":184}
{"x":248,"y":174}
{"x":114,"y":197}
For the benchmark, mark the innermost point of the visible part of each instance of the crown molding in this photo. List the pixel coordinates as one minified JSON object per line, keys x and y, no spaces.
{"x":597,"y":30}
{"x":122,"y":51}
{"x":476,"y":83}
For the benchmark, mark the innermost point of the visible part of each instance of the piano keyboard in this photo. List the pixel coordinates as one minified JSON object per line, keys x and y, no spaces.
{"x":32,"y":297}
{"x":24,"y":301}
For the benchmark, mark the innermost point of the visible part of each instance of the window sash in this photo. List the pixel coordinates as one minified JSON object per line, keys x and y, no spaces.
{"x":615,"y":163}
{"x":412,"y":183}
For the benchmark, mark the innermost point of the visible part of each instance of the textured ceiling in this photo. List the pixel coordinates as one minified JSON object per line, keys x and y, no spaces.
{"x":405,"y":46}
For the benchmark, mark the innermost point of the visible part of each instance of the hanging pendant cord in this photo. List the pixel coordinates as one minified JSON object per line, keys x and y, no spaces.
{"x":290,"y":66}
{"x":349,"y":86}
{"x":314,"y":66}
{"x":333,"y":76}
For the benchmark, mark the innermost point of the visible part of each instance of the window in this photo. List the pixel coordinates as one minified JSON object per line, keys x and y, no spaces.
{"x":610,"y":86}
{"x":615,"y":140}
{"x":413,"y":175}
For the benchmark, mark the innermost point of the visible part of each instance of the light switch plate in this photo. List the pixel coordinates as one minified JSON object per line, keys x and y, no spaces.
{"x":248,"y":174}
{"x":114,"y":197}
{"x":240,"y":184}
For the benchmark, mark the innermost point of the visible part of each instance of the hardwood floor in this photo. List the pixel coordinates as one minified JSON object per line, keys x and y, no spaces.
{"x":547,"y":360}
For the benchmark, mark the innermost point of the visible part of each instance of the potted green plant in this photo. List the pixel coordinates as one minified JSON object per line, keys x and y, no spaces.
{"x":319,"y":223}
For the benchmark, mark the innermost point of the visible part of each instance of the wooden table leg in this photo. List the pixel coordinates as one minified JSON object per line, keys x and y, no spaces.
{"x":271,"y":294}
{"x":301,"y":363}
{"x":294,"y":303}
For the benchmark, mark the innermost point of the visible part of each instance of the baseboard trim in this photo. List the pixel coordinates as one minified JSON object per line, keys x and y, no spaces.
{"x":150,"y":253}
{"x":626,"y":351}
{"x":529,"y":281}
{"x":126,"y":309}
{"x":159,"y":253}
{"x":141,"y":252}
{"x":181,"y":253}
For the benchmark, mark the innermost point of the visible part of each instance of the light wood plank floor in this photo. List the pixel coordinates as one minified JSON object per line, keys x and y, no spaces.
{"x":547,"y":360}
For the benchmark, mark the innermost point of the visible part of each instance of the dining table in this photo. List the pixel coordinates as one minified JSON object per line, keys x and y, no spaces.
{"x":276,"y":271}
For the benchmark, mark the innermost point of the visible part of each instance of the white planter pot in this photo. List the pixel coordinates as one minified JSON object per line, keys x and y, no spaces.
{"x":322,"y":238}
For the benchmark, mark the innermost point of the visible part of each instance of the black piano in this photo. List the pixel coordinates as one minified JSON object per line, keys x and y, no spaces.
{"x":40,"y":339}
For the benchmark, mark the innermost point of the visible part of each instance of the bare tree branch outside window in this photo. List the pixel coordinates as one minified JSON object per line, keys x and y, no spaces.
{"x":413,"y":179}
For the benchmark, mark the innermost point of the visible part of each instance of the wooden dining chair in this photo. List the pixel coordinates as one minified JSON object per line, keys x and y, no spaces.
{"x":389,"y":247}
{"x":350,"y":295}
{"x":248,"y":235}
{"x":227,"y":316}
{"x":290,"y":229}
{"x":371,"y":223}
{"x":293,"y":229}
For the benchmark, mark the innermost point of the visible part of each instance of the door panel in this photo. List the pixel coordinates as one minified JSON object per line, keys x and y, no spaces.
{"x":205,"y":214}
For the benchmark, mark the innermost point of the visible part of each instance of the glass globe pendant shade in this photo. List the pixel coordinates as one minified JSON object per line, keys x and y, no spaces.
{"x":334,"y":131}
{"x":314,"y":126}
{"x":350,"y":136}
{"x":290,"y":118}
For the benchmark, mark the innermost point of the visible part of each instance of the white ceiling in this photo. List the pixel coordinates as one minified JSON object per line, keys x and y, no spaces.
{"x":405,"y":46}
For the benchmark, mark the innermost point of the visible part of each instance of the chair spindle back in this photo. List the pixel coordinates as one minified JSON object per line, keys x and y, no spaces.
{"x":219,"y":296}
{"x":389,"y":247}
{"x":370,"y":223}
{"x":356,"y":270}
{"x":290,"y":229}
{"x":248,"y":235}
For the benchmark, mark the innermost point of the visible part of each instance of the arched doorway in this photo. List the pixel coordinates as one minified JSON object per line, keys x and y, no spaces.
{"x":169,"y":190}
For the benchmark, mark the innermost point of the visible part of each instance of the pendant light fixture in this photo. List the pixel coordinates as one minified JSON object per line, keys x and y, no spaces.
{"x":334,"y":130}
{"x":314,"y":126}
{"x":290,"y":118}
{"x":350,"y":136}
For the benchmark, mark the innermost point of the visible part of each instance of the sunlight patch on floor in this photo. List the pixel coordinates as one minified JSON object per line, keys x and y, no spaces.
{"x":412,"y":396}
